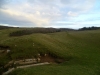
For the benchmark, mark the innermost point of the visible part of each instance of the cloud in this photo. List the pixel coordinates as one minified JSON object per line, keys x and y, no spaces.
{"x":78,"y":4}
{"x":3,"y":3}
{"x":42,"y":12}
{"x":36,"y":15}
{"x":70,"y":13}
{"x":19,"y":18}
{"x":10,"y":19}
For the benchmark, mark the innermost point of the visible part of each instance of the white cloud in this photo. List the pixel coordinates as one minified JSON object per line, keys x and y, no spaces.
{"x":72,"y":14}
{"x":33,"y":18}
{"x":46,"y":12}
{"x":78,"y":5}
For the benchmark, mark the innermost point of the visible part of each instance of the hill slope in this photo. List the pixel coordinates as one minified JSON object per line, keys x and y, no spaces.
{"x":80,"y":49}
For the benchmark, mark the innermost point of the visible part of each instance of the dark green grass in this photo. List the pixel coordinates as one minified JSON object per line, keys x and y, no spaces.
{"x":57,"y":70}
{"x":80,"y":49}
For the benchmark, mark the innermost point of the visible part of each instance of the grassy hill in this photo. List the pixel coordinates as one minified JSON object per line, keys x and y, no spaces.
{"x":79,"y":49}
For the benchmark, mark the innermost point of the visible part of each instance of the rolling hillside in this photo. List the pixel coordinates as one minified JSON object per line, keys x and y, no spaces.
{"x":79,"y":49}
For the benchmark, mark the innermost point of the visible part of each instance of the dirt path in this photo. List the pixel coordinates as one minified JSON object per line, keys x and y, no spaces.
{"x":10,"y":70}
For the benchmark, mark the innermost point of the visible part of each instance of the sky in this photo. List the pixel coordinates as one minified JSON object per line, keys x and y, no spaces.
{"x":50,"y":13}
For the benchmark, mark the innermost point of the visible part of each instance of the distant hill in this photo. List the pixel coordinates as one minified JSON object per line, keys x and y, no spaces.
{"x":4,"y":27}
{"x":29,"y":31}
{"x":66,"y":29}
{"x":89,"y":28}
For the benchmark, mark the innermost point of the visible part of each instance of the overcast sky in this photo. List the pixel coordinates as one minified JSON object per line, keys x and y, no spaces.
{"x":50,"y":13}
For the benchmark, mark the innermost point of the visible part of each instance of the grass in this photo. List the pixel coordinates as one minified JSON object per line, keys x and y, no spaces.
{"x":80,"y":49}
{"x":57,"y":70}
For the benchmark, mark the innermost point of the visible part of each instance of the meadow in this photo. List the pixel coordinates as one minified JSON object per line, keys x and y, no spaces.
{"x":79,"y":49}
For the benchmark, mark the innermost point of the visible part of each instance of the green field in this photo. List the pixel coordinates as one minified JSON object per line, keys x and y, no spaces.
{"x":79,"y":49}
